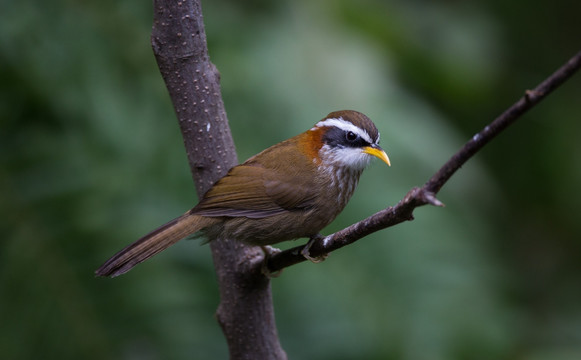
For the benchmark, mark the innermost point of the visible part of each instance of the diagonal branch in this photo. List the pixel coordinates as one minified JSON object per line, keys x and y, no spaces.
{"x":403,"y":211}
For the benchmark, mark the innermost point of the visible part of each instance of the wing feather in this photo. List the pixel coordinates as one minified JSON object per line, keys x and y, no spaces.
{"x":254,"y":191}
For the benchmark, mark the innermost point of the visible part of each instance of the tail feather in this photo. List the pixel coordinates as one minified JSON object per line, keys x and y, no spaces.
{"x":151,"y":244}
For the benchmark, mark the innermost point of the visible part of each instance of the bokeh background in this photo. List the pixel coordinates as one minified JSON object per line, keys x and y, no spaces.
{"x":91,"y":158}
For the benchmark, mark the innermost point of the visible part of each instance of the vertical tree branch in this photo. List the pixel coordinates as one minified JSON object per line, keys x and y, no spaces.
{"x":179,"y":43}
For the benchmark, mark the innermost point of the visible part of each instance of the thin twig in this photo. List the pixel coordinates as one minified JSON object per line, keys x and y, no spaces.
{"x":403,"y":211}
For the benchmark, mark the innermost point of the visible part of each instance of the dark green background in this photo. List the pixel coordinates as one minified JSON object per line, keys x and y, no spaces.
{"x":91,"y":158}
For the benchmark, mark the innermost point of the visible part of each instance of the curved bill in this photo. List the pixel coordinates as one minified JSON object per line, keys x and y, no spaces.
{"x":378,"y":152}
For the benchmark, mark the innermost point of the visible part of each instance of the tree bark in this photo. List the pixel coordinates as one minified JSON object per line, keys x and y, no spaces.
{"x":245,"y":313}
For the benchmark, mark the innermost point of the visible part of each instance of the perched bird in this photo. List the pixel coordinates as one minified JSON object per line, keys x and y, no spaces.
{"x":288,"y":191}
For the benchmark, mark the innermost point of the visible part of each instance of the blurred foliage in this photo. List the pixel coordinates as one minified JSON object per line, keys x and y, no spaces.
{"x":91,"y":158}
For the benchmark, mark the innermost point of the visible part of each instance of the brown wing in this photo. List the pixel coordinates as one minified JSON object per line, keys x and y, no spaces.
{"x":255,"y":191}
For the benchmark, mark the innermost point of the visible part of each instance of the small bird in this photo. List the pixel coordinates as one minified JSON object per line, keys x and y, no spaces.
{"x":290,"y":190}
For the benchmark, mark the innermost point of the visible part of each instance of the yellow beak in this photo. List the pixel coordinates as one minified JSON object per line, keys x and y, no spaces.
{"x":376,"y":151}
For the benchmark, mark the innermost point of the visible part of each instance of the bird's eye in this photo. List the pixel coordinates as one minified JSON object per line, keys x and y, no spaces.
{"x":351,"y":136}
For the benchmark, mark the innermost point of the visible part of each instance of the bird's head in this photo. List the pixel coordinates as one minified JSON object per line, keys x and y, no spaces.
{"x":347,"y":139}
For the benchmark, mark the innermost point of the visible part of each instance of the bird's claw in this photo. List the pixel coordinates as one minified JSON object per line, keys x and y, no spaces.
{"x":307,"y":255}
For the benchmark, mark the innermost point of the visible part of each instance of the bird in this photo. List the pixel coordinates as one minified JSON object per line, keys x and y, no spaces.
{"x":289,"y":191}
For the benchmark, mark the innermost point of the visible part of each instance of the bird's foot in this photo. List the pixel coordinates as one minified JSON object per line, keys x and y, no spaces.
{"x":307,"y":255}
{"x":268,"y":252}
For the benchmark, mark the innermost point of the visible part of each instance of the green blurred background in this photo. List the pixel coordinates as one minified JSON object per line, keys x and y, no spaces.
{"x":91,"y":158}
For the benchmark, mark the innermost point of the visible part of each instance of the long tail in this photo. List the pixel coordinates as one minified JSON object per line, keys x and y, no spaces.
{"x":151,"y":244}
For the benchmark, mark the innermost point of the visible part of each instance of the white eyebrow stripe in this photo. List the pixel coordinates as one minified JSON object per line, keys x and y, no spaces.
{"x":345,"y":126}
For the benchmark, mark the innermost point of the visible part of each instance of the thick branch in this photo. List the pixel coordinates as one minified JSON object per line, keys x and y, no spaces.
{"x":426,"y":194}
{"x":179,"y":43}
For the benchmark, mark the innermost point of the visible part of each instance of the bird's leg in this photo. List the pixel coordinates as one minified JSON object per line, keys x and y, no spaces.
{"x":268,"y":252}
{"x":305,"y":250}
